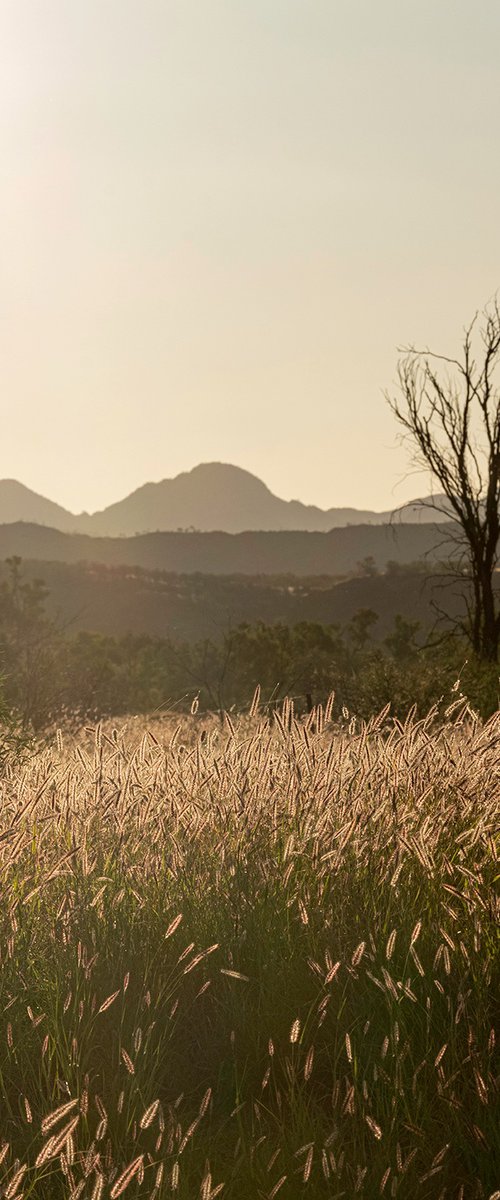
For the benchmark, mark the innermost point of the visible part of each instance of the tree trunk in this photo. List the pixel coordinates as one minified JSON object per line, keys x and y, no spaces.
{"x":490,"y":630}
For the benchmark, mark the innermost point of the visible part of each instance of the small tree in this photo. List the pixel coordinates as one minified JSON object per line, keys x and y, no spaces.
{"x":360,"y":627}
{"x":368,"y":567}
{"x":450,"y":411}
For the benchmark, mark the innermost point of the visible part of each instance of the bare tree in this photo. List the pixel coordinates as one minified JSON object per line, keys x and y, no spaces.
{"x":450,"y":412}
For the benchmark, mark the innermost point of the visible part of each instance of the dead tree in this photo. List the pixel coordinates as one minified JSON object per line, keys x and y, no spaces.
{"x":450,"y":413}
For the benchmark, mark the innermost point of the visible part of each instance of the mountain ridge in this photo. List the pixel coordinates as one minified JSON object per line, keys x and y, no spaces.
{"x":212,"y":497}
{"x":258,"y":552}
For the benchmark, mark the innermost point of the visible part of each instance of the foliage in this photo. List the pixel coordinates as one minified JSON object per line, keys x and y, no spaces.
{"x":105,"y":676}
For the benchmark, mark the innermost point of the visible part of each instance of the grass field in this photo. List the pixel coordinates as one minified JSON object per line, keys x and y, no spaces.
{"x":251,"y":960}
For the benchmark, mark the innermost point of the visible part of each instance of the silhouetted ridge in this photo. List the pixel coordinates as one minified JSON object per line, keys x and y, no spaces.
{"x":19,"y":503}
{"x":211,"y":497}
{"x":250,"y":553}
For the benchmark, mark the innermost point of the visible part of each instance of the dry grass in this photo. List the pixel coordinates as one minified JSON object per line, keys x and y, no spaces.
{"x":251,"y":961}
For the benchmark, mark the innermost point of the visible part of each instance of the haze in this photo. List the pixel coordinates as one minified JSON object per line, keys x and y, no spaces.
{"x":219,"y":220}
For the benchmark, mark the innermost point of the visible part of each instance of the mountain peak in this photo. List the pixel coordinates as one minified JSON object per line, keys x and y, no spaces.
{"x":219,"y":474}
{"x":222,"y":474}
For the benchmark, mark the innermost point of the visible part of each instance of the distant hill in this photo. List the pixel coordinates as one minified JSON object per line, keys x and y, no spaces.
{"x":118,"y":600}
{"x":295,"y":553}
{"x":211,"y":497}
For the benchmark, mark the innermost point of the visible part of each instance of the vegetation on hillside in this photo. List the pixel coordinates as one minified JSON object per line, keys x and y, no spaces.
{"x":52,"y":674}
{"x":252,"y":553}
{"x":189,"y":607}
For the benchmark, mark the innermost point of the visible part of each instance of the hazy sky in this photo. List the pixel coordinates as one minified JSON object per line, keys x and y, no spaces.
{"x":219,"y":218}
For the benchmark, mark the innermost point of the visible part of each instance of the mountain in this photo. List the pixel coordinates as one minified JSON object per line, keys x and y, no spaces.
{"x":252,"y":553}
{"x":215,"y":496}
{"x":19,"y":503}
{"x":211,"y":497}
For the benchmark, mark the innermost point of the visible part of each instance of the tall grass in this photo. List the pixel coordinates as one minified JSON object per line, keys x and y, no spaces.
{"x":251,"y":961}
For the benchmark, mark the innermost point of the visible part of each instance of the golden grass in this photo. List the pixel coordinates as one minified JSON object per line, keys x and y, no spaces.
{"x":251,"y":959}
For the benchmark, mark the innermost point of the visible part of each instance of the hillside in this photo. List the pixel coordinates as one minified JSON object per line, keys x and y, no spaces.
{"x":116,"y":601}
{"x":213,"y":496}
{"x":297,"y":553}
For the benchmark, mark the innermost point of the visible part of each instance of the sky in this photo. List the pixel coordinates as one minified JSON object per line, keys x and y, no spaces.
{"x":218,"y":222}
